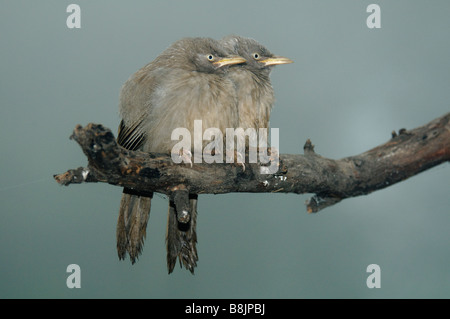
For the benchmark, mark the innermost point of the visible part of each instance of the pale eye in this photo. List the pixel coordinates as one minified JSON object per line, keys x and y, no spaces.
{"x":255,"y":56}
{"x":210,"y":57}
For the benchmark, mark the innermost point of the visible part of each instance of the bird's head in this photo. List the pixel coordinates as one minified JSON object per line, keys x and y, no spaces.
{"x":258,"y":57}
{"x":202,"y":55}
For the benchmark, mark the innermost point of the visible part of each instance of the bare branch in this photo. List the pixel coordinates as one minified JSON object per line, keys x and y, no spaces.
{"x":406,"y":154}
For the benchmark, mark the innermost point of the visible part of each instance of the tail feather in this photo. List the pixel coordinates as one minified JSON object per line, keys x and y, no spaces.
{"x":132,"y":224}
{"x":173,"y":245}
{"x":181,"y":239}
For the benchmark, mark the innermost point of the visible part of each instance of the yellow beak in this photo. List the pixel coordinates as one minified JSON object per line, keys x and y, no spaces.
{"x":229,"y":60}
{"x":275,"y":60}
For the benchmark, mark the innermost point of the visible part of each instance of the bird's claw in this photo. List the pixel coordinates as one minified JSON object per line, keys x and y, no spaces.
{"x":270,"y":161}
{"x":240,"y":160}
{"x":237,"y":158}
{"x":186,"y":156}
{"x":274,"y":155}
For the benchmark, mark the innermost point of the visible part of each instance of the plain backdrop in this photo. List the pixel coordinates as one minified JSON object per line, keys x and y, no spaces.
{"x":349,"y":88}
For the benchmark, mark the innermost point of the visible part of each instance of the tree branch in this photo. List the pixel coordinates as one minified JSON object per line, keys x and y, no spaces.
{"x":404,"y":155}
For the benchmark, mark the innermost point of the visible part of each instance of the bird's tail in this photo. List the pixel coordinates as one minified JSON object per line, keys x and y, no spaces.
{"x":181,"y":238}
{"x":132,"y":223}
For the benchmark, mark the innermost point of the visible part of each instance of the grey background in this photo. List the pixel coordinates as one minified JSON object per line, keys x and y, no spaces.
{"x":349,"y":87}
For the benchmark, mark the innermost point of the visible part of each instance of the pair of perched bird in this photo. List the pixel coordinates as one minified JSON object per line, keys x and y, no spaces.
{"x":225,"y":84}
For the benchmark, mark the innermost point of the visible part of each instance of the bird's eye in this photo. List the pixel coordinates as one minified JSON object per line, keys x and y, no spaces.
{"x":255,"y":56}
{"x":210,"y":57}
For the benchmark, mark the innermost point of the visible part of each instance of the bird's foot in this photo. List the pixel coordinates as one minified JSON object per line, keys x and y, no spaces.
{"x":270,"y":160}
{"x":274,"y":155}
{"x":185,"y":156}
{"x":237,"y":158}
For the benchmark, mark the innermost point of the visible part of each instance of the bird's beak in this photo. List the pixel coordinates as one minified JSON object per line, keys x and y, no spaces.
{"x":275,"y":60}
{"x":229,"y":60}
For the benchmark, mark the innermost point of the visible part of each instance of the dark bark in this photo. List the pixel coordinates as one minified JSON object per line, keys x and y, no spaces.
{"x":406,"y":154}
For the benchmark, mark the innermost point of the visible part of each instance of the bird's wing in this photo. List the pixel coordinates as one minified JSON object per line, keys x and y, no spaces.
{"x":136,"y":105}
{"x":131,"y":137}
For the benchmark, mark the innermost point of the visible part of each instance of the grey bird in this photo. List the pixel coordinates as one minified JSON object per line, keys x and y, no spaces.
{"x":254,"y":90}
{"x":184,"y":83}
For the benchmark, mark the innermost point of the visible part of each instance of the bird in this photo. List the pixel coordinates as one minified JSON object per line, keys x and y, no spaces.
{"x":254,"y":90}
{"x":186,"y":82}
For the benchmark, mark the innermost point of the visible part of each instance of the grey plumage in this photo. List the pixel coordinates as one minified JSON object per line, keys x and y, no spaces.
{"x":186,"y":82}
{"x":254,"y":90}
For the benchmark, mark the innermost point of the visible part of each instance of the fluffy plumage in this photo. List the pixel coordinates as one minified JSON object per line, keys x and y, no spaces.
{"x":254,"y":90}
{"x":184,"y":83}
